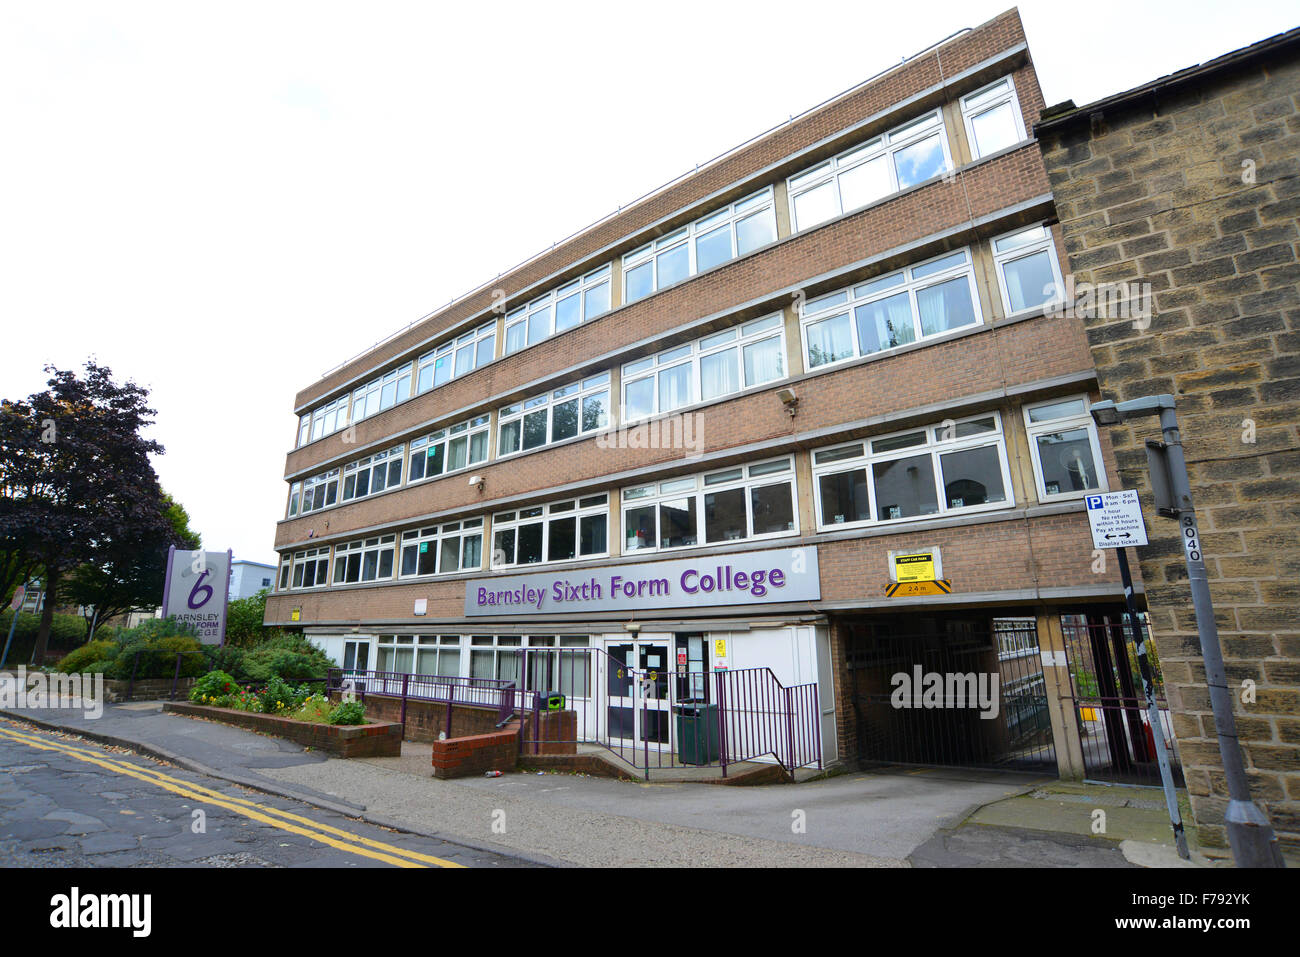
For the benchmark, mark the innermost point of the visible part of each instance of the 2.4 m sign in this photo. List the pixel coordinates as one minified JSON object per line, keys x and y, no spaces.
{"x":1116,"y":519}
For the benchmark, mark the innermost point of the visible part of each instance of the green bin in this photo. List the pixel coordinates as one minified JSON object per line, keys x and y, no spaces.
{"x":697,"y":732}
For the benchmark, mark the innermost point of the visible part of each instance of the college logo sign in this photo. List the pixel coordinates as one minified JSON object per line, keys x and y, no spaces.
{"x":196,"y":590}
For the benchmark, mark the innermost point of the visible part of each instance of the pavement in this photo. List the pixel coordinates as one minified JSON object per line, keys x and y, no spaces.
{"x":887,"y":818}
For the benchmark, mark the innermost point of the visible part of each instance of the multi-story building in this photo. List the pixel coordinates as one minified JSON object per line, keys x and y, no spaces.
{"x":247,"y":578}
{"x":702,"y":430}
{"x":1185,"y":190}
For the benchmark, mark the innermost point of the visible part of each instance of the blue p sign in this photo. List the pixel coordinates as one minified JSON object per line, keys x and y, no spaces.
{"x":1094,"y":501}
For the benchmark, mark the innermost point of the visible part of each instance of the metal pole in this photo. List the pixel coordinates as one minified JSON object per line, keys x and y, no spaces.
{"x":1153,"y":710}
{"x":1253,"y":842}
{"x":12,"y":622}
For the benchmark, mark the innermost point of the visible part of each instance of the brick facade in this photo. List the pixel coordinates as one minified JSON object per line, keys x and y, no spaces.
{"x":1195,"y":189}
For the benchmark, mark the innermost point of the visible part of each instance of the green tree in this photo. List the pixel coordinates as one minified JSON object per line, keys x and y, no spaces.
{"x":75,"y":476}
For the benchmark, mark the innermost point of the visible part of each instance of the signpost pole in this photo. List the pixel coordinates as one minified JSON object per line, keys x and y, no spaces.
{"x":1153,"y":710}
{"x":16,"y":605}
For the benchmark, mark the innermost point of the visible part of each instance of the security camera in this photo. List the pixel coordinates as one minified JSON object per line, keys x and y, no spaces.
{"x":789,"y":400}
{"x":476,"y":481}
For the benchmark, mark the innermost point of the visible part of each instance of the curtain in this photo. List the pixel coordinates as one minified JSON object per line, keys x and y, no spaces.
{"x":763,"y":361}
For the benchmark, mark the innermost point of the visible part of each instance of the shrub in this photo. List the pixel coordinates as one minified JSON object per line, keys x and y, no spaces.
{"x":158,"y":658}
{"x":215,"y":688}
{"x":348,"y":712}
{"x":291,"y":657}
{"x":80,"y":659}
{"x":66,"y":632}
{"x":314,"y":707}
{"x":225,"y":658}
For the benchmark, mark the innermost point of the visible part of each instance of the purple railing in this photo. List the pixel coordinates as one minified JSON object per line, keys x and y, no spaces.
{"x":499,"y":693}
{"x":659,"y":718}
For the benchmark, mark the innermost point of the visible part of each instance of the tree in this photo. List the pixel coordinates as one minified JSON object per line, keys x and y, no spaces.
{"x":123,"y":576}
{"x":75,"y":476}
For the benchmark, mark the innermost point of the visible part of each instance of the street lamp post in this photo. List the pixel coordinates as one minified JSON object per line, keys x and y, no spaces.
{"x":1251,"y":836}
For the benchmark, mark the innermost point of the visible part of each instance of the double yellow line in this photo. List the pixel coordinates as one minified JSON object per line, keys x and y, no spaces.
{"x":283,"y":820}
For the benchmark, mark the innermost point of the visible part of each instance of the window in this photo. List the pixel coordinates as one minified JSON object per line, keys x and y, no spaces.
{"x":559,"y":532}
{"x":717,"y":365}
{"x":456,"y":357}
{"x":956,"y":466}
{"x":992,"y":117}
{"x":329,"y":418}
{"x":367,"y":560}
{"x":295,"y":496}
{"x":566,"y":668}
{"x":924,"y":300}
{"x":319,"y":491}
{"x":576,"y":302}
{"x":443,"y":549}
{"x":495,"y":656}
{"x":1063,"y":444}
{"x":449,"y":450}
{"x":311,"y":567}
{"x":558,"y":415}
{"x":381,"y":394}
{"x":373,"y":474}
{"x":893,"y":161}
{"x":745,"y":502}
{"x":266,"y":583}
{"x":286,"y":566}
{"x":1027,"y":270}
{"x":732,"y":231}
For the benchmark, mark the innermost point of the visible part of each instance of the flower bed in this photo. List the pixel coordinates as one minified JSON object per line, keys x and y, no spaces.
{"x":374,"y":739}
{"x":219,"y":690}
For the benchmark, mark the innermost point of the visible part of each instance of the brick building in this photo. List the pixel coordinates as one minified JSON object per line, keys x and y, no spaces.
{"x":698,"y":435}
{"x":1191,"y":184}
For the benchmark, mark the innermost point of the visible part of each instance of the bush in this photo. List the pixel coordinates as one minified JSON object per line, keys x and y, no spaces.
{"x":244,"y":618}
{"x":66,"y":632}
{"x":315,"y":708}
{"x":225,"y":658}
{"x":215,"y":688}
{"x":348,"y":712}
{"x":157,"y":641}
{"x":288,"y":656}
{"x":81,"y":659}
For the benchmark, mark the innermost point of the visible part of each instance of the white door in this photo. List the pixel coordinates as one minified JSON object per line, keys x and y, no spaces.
{"x":636,"y":684}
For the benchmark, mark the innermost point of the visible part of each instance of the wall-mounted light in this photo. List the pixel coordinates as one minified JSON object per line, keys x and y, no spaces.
{"x":789,"y":400}
{"x":476,"y":481}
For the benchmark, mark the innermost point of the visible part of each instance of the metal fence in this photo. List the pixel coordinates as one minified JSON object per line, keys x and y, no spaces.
{"x":451,"y":690}
{"x":1109,"y":705}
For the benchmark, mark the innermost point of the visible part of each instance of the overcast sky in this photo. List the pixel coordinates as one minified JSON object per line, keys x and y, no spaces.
{"x":221,"y":201}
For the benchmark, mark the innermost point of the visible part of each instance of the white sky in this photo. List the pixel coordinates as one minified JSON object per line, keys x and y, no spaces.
{"x":223,"y":200}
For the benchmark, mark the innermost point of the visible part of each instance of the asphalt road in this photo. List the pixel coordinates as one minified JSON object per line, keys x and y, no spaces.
{"x":68,"y":802}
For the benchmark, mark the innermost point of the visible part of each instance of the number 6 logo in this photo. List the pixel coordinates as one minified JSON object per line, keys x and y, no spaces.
{"x":198,"y":587}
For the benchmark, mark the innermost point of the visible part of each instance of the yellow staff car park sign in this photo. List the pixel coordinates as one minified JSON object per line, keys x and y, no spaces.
{"x":917,"y":567}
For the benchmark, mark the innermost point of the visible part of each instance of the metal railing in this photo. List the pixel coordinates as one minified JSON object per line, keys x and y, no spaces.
{"x":451,"y":690}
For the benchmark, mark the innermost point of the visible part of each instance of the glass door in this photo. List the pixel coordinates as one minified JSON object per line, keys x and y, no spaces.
{"x":636,"y":686}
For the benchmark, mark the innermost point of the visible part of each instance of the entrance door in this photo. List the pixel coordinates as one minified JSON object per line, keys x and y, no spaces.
{"x":636,"y":683}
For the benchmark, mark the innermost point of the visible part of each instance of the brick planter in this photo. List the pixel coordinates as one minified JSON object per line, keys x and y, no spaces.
{"x":373,"y":740}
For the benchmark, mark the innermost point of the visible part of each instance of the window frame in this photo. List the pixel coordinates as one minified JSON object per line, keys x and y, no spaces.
{"x":433,"y":537}
{"x":811,"y":314}
{"x":887,"y":144}
{"x":480,"y":424}
{"x":655,"y":494}
{"x":597,"y":504}
{"x":1023,"y":251}
{"x":375,"y":388}
{"x":697,"y":350}
{"x":376,"y":544}
{"x":310,"y":556}
{"x":583,"y":287}
{"x":450,"y":350}
{"x":1061,"y":424}
{"x":971,"y":109}
{"x":729,"y":216}
{"x":377,"y":461}
{"x":586,"y":389}
{"x":935,"y":448}
{"x":332,"y":416}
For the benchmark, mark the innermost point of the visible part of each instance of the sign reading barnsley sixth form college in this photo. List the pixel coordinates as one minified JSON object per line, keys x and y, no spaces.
{"x":195,"y":591}
{"x":1116,"y":519}
{"x":749,"y":578}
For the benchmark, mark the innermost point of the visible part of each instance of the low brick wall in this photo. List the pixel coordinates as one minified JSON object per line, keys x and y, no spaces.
{"x":426,"y":720}
{"x":147,"y":689}
{"x":498,"y":749}
{"x":373,"y":740}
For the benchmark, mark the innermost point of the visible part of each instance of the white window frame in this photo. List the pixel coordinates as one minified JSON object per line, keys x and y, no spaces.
{"x":887,"y":144}
{"x":984,"y":100}
{"x":375,"y":544}
{"x":1064,"y":423}
{"x":432,"y":539}
{"x":286,"y":569}
{"x":325,"y":479}
{"x":314,"y":557}
{"x":369,"y":400}
{"x":936,"y":447}
{"x":323,"y":420}
{"x":751,"y":475}
{"x":379,"y":461}
{"x":1031,"y":246}
{"x":575,"y":508}
{"x":730,"y":216}
{"x":468,"y":344}
{"x":692,"y":353}
{"x":479,"y":425}
{"x":585,"y":288}
{"x":845,"y":301}
{"x":546,"y":404}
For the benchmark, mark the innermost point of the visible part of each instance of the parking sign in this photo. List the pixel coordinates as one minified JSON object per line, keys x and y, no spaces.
{"x":1116,"y":519}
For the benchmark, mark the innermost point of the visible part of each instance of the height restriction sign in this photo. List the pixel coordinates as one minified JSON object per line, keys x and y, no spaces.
{"x":1116,"y":519}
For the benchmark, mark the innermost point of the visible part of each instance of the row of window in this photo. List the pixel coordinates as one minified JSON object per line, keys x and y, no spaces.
{"x":902,"y":157}
{"x":957,"y":466}
{"x":919,"y":302}
{"x":489,"y":656}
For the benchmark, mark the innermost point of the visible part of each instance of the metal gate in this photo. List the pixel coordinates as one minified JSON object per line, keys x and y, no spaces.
{"x":1114,"y":730}
{"x":914,"y":680}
